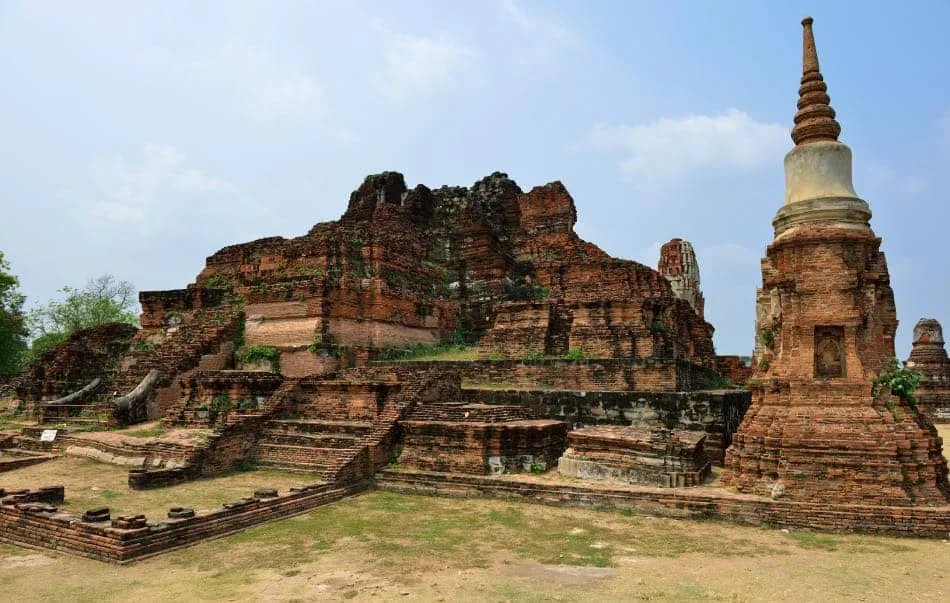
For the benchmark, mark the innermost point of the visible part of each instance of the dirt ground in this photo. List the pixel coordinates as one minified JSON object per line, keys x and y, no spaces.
{"x":384,"y":546}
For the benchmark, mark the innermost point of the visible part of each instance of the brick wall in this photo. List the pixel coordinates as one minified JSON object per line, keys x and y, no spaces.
{"x":715,"y":413}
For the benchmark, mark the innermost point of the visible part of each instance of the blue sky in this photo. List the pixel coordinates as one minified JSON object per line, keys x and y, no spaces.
{"x":139,"y":138}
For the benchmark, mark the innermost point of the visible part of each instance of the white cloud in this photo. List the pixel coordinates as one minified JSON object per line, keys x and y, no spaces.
{"x":254,"y":79}
{"x":541,"y":36}
{"x":661,"y":152}
{"x":152,"y":188}
{"x":420,"y":63}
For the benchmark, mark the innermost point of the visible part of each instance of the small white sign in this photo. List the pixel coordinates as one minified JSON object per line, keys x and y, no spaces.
{"x":48,"y":435}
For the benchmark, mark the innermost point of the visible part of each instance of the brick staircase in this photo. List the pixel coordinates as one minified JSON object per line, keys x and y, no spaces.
{"x":471,"y":412}
{"x":314,"y":424}
{"x":310,"y":446}
{"x":179,"y":352}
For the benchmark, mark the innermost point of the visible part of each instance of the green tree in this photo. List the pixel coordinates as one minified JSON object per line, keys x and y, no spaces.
{"x":13,"y":327}
{"x":103,"y":300}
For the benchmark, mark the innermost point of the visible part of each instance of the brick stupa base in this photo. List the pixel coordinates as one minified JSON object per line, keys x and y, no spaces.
{"x":794,"y":445}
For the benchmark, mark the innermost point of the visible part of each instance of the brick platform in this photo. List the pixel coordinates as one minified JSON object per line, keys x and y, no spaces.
{"x":663,"y":457}
{"x":683,"y":503}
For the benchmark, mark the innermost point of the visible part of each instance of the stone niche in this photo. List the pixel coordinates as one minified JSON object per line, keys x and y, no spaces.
{"x":829,"y":353}
{"x":640,"y":455}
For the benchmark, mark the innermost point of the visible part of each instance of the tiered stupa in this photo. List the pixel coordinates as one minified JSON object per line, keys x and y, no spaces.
{"x":678,"y":264}
{"x":929,"y":358}
{"x":826,"y":322}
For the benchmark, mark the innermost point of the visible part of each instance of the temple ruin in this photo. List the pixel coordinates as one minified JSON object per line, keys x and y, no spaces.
{"x":825,"y":319}
{"x":929,"y":358}
{"x":580,"y":378}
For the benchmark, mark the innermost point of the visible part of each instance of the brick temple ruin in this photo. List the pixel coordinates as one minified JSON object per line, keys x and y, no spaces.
{"x":591,"y":381}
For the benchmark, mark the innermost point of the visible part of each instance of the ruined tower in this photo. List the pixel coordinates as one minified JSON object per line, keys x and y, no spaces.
{"x":678,"y":264}
{"x":825,"y":322}
{"x":929,"y":358}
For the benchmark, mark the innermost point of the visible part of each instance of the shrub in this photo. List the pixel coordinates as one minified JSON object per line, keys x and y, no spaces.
{"x":720,"y":382}
{"x":536,"y":467}
{"x":900,"y":380}
{"x":260,"y":352}
{"x":768,"y":338}
{"x":658,"y":327}
{"x":539,"y":293}
{"x":143,"y":346}
{"x":220,"y":403}
{"x":764,"y":364}
{"x":575,"y":354}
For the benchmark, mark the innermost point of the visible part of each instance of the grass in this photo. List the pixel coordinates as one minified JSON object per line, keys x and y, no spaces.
{"x":150,"y":432}
{"x":91,"y":484}
{"x":421,"y":352}
{"x":384,"y":544}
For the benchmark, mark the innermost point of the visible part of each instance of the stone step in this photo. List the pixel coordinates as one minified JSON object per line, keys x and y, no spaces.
{"x":297,"y":455}
{"x":292,"y":467}
{"x":312,"y":440}
{"x":356,"y":428}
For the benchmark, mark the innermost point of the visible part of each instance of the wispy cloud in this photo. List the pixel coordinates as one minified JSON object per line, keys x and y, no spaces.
{"x":541,"y":36}
{"x":420,"y":64}
{"x":660,"y":152}
{"x":254,"y":79}
{"x":155,"y":188}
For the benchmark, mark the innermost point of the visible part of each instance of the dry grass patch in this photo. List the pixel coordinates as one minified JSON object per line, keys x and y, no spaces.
{"x":410,"y":547}
{"x":92,"y":484}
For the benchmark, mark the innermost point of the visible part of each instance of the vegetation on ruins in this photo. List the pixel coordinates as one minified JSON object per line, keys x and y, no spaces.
{"x":658,"y":327}
{"x":720,"y":382}
{"x":103,"y":300}
{"x":257,"y":353}
{"x":899,"y":381}
{"x":13,"y":325}
{"x":422,"y":351}
{"x":768,"y":338}
{"x":575,"y":354}
{"x":143,"y":346}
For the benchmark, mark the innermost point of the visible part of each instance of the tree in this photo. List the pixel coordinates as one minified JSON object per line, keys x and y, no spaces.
{"x":103,"y":300}
{"x":13,"y":327}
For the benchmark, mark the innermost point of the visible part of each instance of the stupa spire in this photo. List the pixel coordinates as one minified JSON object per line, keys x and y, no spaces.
{"x":815,"y":119}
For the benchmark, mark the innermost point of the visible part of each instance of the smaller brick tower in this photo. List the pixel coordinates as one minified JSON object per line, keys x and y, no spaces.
{"x":825,"y":319}
{"x":929,"y":358}
{"x":678,"y":264}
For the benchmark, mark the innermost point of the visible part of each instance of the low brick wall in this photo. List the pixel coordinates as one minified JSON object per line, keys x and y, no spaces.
{"x":10,"y":461}
{"x":41,"y":525}
{"x":717,"y":413}
{"x":575,"y":375}
{"x":685,"y":503}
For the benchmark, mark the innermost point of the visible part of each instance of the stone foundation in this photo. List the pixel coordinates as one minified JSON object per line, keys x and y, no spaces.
{"x":691,"y":503}
{"x":668,"y":458}
{"x":480,"y":448}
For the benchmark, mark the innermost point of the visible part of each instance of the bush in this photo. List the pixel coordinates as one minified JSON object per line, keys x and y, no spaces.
{"x":764,"y":364}
{"x":220,"y":403}
{"x":768,"y":338}
{"x":143,"y":346}
{"x":900,"y":380}
{"x":720,"y":382}
{"x":259,"y":352}
{"x":575,"y":354}
{"x":658,"y":327}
